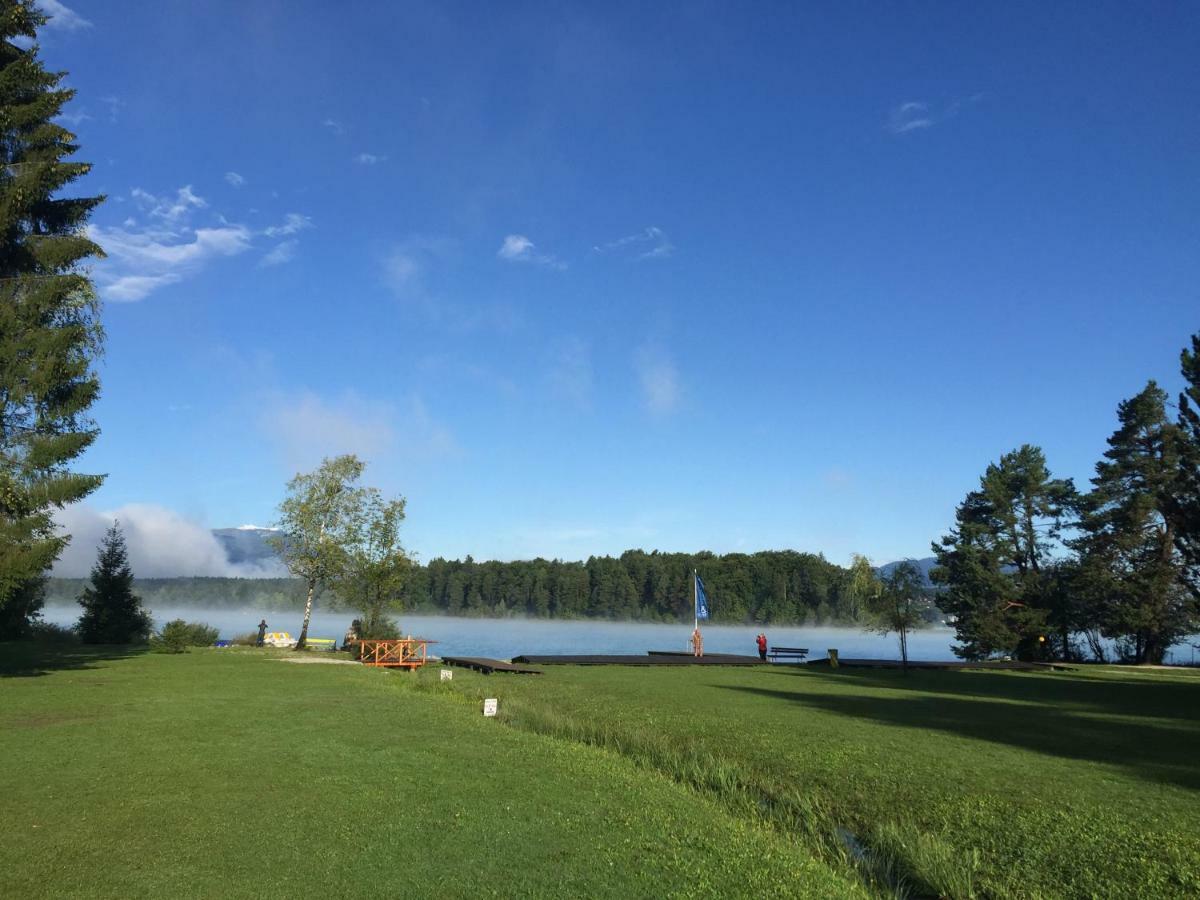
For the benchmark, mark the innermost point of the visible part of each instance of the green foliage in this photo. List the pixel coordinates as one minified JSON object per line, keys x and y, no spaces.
{"x":993,"y":562}
{"x":51,"y":633}
{"x":377,"y":628}
{"x":775,"y":587}
{"x":1131,"y":559}
{"x":1187,"y":496}
{"x":19,"y":614}
{"x":771,"y":587}
{"x":112,"y":613}
{"x":898,"y":604}
{"x":177,"y":635}
{"x":317,"y":525}
{"x":49,"y":317}
{"x":375,"y":564}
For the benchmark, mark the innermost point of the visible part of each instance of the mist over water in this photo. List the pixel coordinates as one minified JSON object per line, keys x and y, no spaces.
{"x":506,"y":638}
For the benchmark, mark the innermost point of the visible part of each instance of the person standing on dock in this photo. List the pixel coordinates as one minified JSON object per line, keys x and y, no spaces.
{"x":262,"y":633}
{"x":701,"y":598}
{"x":761,"y":640}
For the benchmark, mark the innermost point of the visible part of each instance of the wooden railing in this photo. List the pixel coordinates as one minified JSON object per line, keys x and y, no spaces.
{"x":404,"y":653}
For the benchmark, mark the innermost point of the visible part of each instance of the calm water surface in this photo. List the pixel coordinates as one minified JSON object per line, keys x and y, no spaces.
{"x":506,"y":638}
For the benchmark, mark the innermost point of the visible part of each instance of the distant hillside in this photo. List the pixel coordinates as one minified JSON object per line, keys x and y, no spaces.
{"x":923,"y":564}
{"x":246,"y":544}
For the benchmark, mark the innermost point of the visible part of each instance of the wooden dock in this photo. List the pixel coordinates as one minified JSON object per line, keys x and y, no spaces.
{"x":652,"y":658}
{"x":984,"y":665}
{"x":488,"y":666}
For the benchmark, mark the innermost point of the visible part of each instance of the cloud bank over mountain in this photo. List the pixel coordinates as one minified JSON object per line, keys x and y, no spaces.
{"x":164,"y":544}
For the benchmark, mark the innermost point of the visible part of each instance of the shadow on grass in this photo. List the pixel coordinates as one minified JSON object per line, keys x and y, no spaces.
{"x":1133,"y":695}
{"x":30,"y":659}
{"x":1076,"y":719}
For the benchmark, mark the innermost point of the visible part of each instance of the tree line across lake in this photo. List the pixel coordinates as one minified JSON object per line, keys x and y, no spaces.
{"x":769,"y":587}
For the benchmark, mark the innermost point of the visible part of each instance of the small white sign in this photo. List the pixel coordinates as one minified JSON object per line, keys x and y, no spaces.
{"x":447,"y":674}
{"x":489,"y":707}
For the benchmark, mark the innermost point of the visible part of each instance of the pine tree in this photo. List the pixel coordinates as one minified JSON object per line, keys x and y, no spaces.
{"x":1188,"y":494}
{"x":112,"y":613}
{"x":49,"y":317}
{"x":993,"y":562}
{"x":1130,"y":525}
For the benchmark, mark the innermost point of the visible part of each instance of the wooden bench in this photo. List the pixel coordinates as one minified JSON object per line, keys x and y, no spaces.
{"x":798,"y":654}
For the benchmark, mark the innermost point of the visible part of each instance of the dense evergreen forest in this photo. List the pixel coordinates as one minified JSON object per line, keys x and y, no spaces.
{"x":769,"y":587}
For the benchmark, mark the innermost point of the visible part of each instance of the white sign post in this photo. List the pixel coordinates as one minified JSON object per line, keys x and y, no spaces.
{"x":489,"y":707}
{"x":447,"y":674}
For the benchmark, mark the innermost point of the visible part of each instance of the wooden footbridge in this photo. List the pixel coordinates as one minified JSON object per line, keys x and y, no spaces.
{"x":401,"y":653}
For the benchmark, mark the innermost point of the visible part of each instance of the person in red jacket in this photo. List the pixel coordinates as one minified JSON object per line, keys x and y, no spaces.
{"x":761,"y":640}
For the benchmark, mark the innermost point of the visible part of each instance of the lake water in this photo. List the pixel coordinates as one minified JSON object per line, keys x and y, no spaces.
{"x":506,"y":638}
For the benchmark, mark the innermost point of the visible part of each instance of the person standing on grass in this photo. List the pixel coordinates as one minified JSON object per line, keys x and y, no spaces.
{"x":262,"y":633}
{"x":697,"y":642}
{"x":761,"y":640}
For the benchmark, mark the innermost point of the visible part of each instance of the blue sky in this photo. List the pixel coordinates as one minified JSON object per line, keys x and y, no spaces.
{"x":578,"y":278}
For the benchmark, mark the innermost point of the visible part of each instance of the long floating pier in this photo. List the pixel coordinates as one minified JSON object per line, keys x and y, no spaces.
{"x":985,"y":665}
{"x":653,"y":658}
{"x":488,"y":666}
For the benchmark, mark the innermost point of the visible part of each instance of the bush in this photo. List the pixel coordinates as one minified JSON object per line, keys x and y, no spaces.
{"x":50,"y":633}
{"x":177,"y":635}
{"x":249,"y":639}
{"x":378,"y":627}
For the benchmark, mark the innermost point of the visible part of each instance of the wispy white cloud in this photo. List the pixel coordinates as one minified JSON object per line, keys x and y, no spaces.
{"x":168,"y":209}
{"x":369,"y":159}
{"x":649,"y":243}
{"x":909,"y":117}
{"x":292,"y":224}
{"x":234,"y":179}
{"x":915,"y":115}
{"x":518,"y":248}
{"x":412,"y":269}
{"x":131,"y":288}
{"x":307,"y":427}
{"x":74,"y":119}
{"x":571,"y":375}
{"x":62,"y":18}
{"x":282,"y":253}
{"x":658,"y":378}
{"x":334,"y":126}
{"x":166,"y":249}
{"x":115,"y":105}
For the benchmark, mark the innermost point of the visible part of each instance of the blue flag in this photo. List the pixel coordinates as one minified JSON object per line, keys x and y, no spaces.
{"x":701,"y":600}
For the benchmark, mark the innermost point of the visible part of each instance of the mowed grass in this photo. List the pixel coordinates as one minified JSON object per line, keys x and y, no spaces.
{"x":227,"y":773}
{"x":1067,"y":784}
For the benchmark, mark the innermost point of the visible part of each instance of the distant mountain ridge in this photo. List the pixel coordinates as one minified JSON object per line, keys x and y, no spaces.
{"x":924,"y":564}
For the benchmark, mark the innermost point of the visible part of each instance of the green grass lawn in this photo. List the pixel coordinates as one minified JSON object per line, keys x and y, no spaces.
{"x":228,"y":773}
{"x":224,"y":773}
{"x":999,"y":783}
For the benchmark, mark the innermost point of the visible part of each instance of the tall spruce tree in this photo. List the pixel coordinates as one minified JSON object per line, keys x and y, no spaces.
{"x":993,"y":563}
{"x":1130,"y":526}
{"x":1188,"y":494}
{"x":112,"y":613}
{"x":49,"y":318}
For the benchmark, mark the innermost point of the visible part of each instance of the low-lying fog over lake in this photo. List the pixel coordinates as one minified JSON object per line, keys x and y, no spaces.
{"x":506,"y":638}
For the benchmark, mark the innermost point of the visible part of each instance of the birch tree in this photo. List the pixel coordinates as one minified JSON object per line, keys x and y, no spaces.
{"x":316,"y":525}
